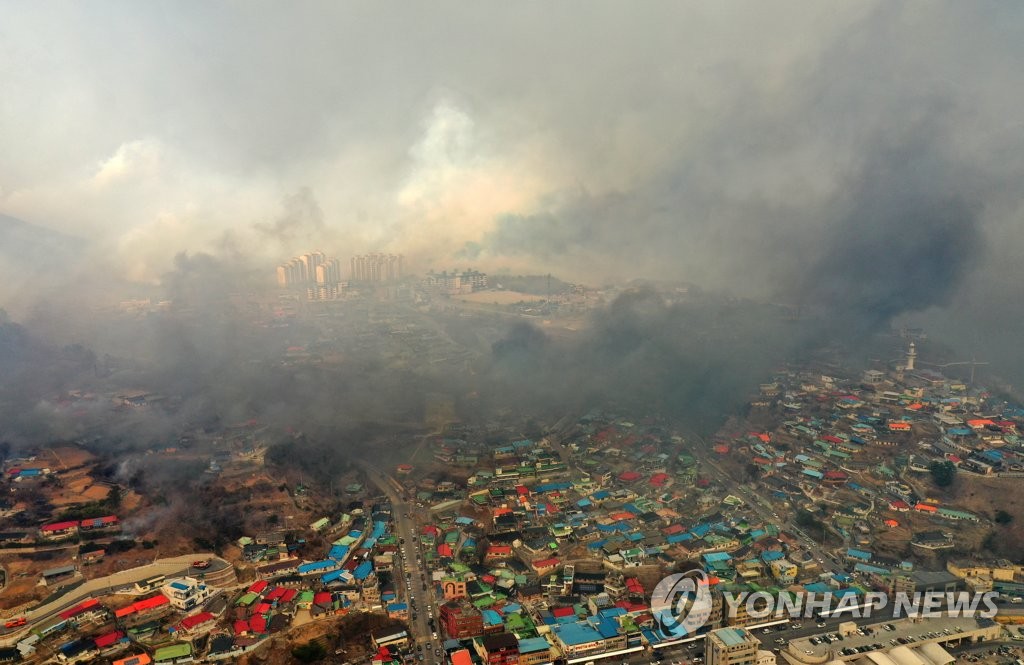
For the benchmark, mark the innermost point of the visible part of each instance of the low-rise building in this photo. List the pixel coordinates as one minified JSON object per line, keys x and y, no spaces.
{"x":398,"y":637}
{"x":534,"y":651}
{"x":732,"y":646}
{"x":460,"y":620}
{"x":499,"y":649}
{"x":929,"y":635}
{"x":174,"y":654}
{"x":186,"y":593}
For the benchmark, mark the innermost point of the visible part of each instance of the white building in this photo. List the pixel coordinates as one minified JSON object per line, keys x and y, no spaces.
{"x":186,"y":593}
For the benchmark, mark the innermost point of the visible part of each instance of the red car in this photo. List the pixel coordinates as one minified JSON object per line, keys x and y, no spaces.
{"x":15,"y":623}
{"x":200,"y":565}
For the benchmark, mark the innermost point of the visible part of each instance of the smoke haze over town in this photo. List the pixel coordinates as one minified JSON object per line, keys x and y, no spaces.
{"x":599,"y":328}
{"x":856,"y":164}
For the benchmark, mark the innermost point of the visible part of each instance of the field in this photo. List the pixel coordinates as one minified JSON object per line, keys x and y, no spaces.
{"x":23,"y":577}
{"x":498,"y":297}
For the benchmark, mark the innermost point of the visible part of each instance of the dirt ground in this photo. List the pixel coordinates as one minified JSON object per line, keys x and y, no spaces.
{"x":23,"y":577}
{"x":66,"y":457}
{"x":78,"y":487}
{"x":498,"y":297}
{"x":72,"y":467}
{"x":984,"y":496}
{"x":350,"y":632}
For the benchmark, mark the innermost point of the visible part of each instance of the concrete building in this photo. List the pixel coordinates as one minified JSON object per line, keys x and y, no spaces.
{"x":397,"y":637}
{"x":1002,"y":571}
{"x":456,"y":282}
{"x":920,"y":636}
{"x":499,"y":649}
{"x":314,"y":273}
{"x":534,"y":651}
{"x":784,"y":571}
{"x":377,"y":268}
{"x":732,"y":646}
{"x":460,"y":621}
{"x":923,"y":581}
{"x":873,"y":377}
{"x":186,"y":593}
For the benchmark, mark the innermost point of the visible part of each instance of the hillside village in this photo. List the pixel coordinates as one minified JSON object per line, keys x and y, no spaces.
{"x":532,"y":550}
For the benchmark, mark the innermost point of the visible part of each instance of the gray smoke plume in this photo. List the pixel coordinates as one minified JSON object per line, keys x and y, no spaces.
{"x":301,"y":219}
{"x":860,"y":164}
{"x":903,"y":240}
{"x":691,"y":361}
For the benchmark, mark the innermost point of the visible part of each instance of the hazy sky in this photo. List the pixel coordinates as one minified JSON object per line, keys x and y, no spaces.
{"x":721,"y":142}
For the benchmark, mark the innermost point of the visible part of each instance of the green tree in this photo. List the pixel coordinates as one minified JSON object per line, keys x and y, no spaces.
{"x":114,"y":497}
{"x":807,"y":520}
{"x":1003,"y":517}
{"x":943,"y":473}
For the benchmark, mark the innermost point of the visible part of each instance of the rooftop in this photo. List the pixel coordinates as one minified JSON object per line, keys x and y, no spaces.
{"x":914,"y":631}
{"x":730,"y":637}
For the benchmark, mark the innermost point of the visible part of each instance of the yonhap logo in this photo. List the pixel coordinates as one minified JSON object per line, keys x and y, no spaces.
{"x":681,"y":603}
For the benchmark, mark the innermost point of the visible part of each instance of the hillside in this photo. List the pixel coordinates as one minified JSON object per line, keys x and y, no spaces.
{"x":25,"y":244}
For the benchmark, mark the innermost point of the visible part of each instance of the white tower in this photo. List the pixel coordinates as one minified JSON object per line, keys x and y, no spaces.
{"x":911,"y":356}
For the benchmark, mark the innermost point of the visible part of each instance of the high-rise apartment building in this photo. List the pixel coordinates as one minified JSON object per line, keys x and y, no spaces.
{"x":328,"y":272}
{"x":314,"y":273}
{"x":377,"y":267}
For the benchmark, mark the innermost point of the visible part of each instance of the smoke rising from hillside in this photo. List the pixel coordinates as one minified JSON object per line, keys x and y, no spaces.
{"x":861,"y":163}
{"x":692,"y":362}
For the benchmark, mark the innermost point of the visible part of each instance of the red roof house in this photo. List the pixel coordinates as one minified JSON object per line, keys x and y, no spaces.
{"x":196,"y":620}
{"x":108,"y":639}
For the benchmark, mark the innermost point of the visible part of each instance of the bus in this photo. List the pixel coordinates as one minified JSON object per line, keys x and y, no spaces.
{"x":822,"y":615}
{"x":767,"y":626}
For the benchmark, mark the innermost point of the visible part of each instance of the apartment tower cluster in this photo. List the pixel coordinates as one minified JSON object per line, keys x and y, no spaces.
{"x":314,"y":273}
{"x":377,"y":268}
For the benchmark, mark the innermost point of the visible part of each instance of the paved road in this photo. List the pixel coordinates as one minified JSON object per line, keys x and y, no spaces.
{"x":768,"y":513}
{"x":411,"y":576}
{"x":177,"y":566}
